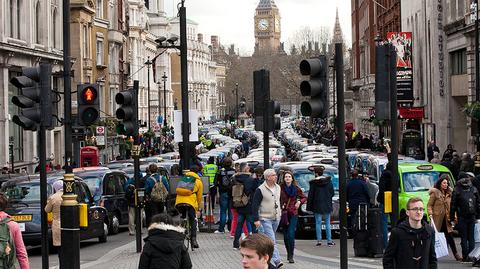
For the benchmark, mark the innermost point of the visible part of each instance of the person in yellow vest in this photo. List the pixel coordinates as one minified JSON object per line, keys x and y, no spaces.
{"x":210,"y":170}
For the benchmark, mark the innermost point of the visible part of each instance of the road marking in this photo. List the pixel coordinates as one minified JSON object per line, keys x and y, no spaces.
{"x":337,"y":260}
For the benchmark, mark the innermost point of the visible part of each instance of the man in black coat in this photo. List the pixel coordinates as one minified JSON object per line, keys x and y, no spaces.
{"x":164,"y":246}
{"x":412,"y":242}
{"x":384,"y":184}
{"x":357,"y":193}
{"x":320,"y":203}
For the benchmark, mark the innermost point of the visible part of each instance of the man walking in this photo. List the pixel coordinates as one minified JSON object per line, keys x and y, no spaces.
{"x":223,"y":181}
{"x":412,"y":242}
{"x":357,"y":193}
{"x":210,"y":170}
{"x":267,"y":211}
{"x":465,"y":203}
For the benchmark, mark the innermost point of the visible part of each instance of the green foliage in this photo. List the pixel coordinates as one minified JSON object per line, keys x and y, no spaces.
{"x":472,"y":110}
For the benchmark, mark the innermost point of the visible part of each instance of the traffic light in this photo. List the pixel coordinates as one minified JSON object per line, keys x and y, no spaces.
{"x":88,"y":105}
{"x":261,"y":94}
{"x":385,"y":79}
{"x":35,"y":100}
{"x":316,"y":87}
{"x":127,"y":112}
{"x":274,"y":116}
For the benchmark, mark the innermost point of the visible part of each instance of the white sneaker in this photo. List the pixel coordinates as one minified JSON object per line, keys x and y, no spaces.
{"x":243,"y":236}
{"x":218,"y":232}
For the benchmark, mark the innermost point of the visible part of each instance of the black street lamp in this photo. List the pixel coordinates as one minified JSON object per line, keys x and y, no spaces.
{"x":164,"y":78}
{"x":148,"y":63}
{"x":236,"y":101}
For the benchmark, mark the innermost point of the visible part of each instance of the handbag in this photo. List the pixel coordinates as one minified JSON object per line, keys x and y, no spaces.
{"x":284,"y":217}
{"x":441,"y":247}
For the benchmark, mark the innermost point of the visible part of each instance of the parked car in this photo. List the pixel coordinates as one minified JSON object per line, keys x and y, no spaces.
{"x":24,"y":207}
{"x":107,"y":190}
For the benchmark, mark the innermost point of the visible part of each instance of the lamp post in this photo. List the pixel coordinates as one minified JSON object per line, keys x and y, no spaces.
{"x":148,"y":63}
{"x":236,"y":101}
{"x":474,"y":9}
{"x":164,"y":78}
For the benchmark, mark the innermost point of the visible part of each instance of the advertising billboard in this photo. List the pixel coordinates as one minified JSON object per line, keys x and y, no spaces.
{"x":402,"y":41}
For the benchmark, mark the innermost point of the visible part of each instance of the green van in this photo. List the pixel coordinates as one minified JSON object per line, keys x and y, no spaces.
{"x":416,"y":179}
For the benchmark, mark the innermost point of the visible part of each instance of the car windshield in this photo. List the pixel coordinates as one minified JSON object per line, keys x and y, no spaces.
{"x":25,"y":193}
{"x":419,"y":181}
{"x":303,"y":178}
{"x":94,"y":184}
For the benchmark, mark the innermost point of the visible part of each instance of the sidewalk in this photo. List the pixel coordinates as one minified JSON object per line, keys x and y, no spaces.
{"x":215,"y":251}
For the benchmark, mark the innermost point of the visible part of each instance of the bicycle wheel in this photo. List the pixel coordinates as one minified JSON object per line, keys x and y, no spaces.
{"x":186,"y":241}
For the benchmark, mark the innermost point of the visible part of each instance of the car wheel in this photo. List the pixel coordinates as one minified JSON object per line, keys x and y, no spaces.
{"x":103,"y":237}
{"x":114,"y":224}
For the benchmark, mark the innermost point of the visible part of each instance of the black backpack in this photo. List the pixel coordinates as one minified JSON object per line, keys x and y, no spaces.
{"x":467,"y":202}
{"x":226,"y":179}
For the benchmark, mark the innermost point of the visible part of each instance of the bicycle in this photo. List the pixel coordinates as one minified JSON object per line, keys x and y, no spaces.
{"x":185,"y":223}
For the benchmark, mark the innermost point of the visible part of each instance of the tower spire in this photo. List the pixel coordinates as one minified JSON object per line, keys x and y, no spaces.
{"x":266,"y":4}
{"x":337,"y":30}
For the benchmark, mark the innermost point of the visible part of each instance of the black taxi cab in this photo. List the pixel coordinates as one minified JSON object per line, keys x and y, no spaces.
{"x":24,"y":207}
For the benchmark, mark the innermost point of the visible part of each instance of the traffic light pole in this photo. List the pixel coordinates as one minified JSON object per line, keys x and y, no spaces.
{"x":184,"y":81}
{"x":70,"y":231}
{"x":42,"y":152}
{"x":392,"y":85}
{"x":266,"y":135}
{"x":136,"y":171}
{"x":342,"y":173}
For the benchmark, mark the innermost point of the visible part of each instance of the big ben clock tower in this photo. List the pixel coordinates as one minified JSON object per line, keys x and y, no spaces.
{"x":267,"y":28}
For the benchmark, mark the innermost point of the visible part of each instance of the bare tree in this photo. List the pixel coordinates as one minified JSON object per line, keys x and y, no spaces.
{"x":309,"y":39}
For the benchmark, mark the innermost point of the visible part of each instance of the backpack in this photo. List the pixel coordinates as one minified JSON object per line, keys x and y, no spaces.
{"x":226,"y":178}
{"x":185,"y":186}
{"x":7,"y":246}
{"x":159,"y":191}
{"x":467,"y":202}
{"x":239,"y":198}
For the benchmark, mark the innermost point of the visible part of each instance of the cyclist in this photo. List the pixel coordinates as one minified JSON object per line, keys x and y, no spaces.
{"x":189,"y":200}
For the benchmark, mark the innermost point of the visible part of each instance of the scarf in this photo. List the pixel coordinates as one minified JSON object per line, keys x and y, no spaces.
{"x":291,"y":190}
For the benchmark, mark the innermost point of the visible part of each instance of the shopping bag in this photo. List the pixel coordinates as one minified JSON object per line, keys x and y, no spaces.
{"x":476,"y":232}
{"x":441,"y":247}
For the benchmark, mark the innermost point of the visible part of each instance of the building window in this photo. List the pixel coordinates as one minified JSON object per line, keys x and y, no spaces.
{"x":85,"y":41}
{"x":54,"y":27}
{"x":12,"y":11}
{"x":458,"y":60}
{"x":37,"y":23}
{"x":19,"y":16}
{"x":99,"y":9}
{"x":99,"y":52}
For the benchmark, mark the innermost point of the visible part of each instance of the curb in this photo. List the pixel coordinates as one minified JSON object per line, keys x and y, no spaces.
{"x":110,"y":255}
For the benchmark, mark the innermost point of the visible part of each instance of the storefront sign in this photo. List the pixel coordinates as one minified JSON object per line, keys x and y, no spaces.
{"x":411,"y":112}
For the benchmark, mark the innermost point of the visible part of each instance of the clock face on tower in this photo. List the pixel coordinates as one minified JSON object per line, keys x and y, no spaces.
{"x":263,"y":24}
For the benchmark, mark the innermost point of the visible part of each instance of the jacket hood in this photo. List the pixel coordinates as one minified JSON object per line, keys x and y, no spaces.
{"x":192,"y":174}
{"x":464,"y":183}
{"x":242,"y":176}
{"x":405,"y":226}
{"x":321,"y":180}
{"x":165,"y":238}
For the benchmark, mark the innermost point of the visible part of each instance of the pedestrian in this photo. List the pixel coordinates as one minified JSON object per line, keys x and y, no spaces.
{"x":244,"y":210}
{"x":10,"y":230}
{"x":257,"y":251}
{"x":467,"y":164}
{"x":412,"y":243}
{"x":465,"y":204}
{"x":54,"y":203}
{"x":164,"y":246}
{"x":259,"y":175}
{"x":291,"y":198}
{"x":129,"y":189}
{"x":436,"y":158}
{"x":357,"y":193}
{"x":156,"y":190}
{"x":224,"y":182}
{"x":432,"y":148}
{"x":189,"y":200}
{"x":267,"y":211}
{"x":439,"y":210}
{"x":210,"y":170}
{"x":448,"y":153}
{"x":320,"y":203}
{"x":456,"y":162}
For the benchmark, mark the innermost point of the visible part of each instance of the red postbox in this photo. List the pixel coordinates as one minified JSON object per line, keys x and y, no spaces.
{"x":89,"y":156}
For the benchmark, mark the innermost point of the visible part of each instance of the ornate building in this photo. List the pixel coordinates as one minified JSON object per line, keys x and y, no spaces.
{"x":30,"y":33}
{"x":267,"y":28}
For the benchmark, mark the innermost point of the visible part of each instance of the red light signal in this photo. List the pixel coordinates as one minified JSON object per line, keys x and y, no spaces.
{"x":89,"y":95}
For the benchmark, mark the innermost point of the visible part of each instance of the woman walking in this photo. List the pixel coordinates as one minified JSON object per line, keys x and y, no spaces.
{"x":439,"y":211}
{"x":291,"y":197}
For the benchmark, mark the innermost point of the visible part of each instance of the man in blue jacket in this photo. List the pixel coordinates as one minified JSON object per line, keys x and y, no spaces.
{"x":357,"y":193}
{"x":154,"y":207}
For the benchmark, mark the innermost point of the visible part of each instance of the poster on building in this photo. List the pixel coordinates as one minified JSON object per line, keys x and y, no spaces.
{"x":402,"y":41}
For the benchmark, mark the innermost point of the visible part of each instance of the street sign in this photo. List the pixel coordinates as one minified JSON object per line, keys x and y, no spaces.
{"x":177,"y":125}
{"x":100,"y":130}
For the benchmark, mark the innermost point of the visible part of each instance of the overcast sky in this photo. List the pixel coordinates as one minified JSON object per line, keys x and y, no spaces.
{"x":232,"y":20}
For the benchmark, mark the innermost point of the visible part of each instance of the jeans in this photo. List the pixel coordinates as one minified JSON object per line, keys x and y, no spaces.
{"x":213,"y":193}
{"x":234,"y":223}
{"x":466,"y":229}
{"x":384,"y":226}
{"x":238,"y":231}
{"x":289,"y":234}
{"x":225,"y":208}
{"x":318,"y":226}
{"x":269,"y":229}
